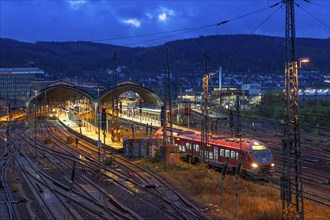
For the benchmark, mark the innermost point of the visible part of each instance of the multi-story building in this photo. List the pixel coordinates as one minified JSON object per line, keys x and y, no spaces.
{"x":16,"y":83}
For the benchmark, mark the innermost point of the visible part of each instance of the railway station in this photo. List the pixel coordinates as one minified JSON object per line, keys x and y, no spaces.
{"x":155,"y":125}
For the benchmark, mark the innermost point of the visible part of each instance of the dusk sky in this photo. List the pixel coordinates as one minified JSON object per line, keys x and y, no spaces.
{"x":103,"y":20}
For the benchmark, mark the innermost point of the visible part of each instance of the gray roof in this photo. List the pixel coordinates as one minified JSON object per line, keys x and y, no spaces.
{"x":21,"y":71}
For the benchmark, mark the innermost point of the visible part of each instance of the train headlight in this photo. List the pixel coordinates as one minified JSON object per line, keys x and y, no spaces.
{"x":51,"y":115}
{"x":272,"y":164}
{"x":254,"y":165}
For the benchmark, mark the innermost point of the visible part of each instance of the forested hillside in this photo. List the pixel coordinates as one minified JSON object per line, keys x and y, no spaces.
{"x":236,"y":53}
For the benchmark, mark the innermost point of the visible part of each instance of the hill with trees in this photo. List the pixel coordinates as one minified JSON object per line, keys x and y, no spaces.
{"x":236,"y":53}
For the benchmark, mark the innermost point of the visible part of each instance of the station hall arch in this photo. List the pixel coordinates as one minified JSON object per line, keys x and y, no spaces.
{"x":149,"y":97}
{"x":60,"y":91}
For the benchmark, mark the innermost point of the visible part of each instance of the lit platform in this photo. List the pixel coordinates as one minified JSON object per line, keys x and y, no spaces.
{"x":88,"y":131}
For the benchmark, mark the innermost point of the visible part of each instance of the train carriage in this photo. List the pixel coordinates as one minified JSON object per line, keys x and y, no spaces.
{"x":256,"y":157}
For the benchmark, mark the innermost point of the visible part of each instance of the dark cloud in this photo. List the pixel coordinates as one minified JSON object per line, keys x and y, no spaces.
{"x":102,"y":19}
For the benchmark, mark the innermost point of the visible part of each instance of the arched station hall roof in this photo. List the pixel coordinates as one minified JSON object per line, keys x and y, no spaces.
{"x":61,"y":91}
{"x":149,"y":97}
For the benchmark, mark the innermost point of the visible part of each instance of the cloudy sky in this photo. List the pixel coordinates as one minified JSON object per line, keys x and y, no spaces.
{"x":148,"y":23}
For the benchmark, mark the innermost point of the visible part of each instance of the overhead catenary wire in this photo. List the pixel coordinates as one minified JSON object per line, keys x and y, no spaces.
{"x":316,"y":4}
{"x":183,"y":30}
{"x":250,"y":13}
{"x":264,"y":21}
{"x":164,"y":37}
{"x":188,"y":30}
{"x":313,"y":16}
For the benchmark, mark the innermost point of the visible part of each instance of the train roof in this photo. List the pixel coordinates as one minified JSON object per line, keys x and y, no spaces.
{"x":228,"y":142}
{"x":236,"y":143}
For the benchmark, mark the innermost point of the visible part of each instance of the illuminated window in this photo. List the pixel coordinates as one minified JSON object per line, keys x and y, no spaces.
{"x":197,"y":147}
{"x":210,"y":155}
{"x":227,"y":153}
{"x":233,"y":155}
{"x":216,"y":152}
{"x":188,"y":146}
{"x":222,"y":152}
{"x":237,"y":155}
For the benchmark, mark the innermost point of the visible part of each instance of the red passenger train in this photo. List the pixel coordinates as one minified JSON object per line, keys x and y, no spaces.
{"x":256,"y":157}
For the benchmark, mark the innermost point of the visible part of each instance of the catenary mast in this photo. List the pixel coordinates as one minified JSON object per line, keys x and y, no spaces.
{"x":291,"y":180}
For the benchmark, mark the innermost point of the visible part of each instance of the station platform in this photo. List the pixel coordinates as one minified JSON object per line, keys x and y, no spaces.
{"x":154,"y":123}
{"x":89,"y":130}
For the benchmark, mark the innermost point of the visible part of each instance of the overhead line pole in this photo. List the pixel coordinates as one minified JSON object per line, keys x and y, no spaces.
{"x":291,"y":185}
{"x":204,"y":107}
{"x":168,"y":82}
{"x":115,"y":133}
{"x":163,"y":113}
{"x":99,"y":144}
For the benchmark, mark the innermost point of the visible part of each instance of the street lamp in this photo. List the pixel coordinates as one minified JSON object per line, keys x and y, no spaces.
{"x":303,"y":60}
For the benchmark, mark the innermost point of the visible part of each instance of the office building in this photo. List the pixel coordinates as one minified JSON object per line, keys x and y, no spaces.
{"x":16,"y":83}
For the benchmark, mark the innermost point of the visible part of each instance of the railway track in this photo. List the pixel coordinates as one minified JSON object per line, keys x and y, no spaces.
{"x":147,"y":185}
{"x":311,"y":178}
{"x":8,"y":211}
{"x":52,"y":195}
{"x":114,"y":184}
{"x":100,"y":201}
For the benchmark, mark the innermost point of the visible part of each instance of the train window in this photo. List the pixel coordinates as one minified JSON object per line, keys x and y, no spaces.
{"x":237,"y":155}
{"x":233,"y":154}
{"x":188,"y":146}
{"x":210,"y":155}
{"x":222,"y":152}
{"x":192,"y":147}
{"x":197,"y":147}
{"x":227,"y":153}
{"x":183,"y":149}
{"x":259,"y":154}
{"x":216,"y":153}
